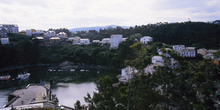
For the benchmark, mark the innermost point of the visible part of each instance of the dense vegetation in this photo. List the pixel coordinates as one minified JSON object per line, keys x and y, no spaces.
{"x":186,"y":86}
{"x":190,"y":85}
{"x":199,"y":34}
{"x":24,"y":50}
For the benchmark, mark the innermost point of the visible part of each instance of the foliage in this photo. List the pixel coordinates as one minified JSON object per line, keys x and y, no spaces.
{"x":183,"y":87}
{"x":198,"y":34}
{"x":139,"y":56}
{"x":78,"y":106}
{"x":19,"y":51}
{"x":103,"y":99}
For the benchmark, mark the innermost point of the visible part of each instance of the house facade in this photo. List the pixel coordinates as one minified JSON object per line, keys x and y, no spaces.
{"x":115,"y":40}
{"x":4,"y":41}
{"x":146,"y":39}
{"x":11,"y":28}
{"x":54,"y":41}
{"x":29,"y":32}
{"x":38,"y":33}
{"x":62,"y":35}
{"x":155,"y":59}
{"x":84,"y":41}
{"x":105,"y":41}
{"x":178,"y":47}
{"x":185,"y":51}
{"x":76,"y":40}
{"x":127,"y":73}
{"x":51,"y":34}
{"x":96,"y":41}
{"x":202,"y":51}
{"x":3,"y":32}
{"x":124,"y":39}
{"x":41,"y":40}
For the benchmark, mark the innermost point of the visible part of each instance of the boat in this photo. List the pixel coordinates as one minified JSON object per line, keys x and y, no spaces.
{"x":5,"y":77}
{"x":23,"y":76}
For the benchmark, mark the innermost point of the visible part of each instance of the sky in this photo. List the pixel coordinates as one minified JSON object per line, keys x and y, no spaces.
{"x":45,"y":14}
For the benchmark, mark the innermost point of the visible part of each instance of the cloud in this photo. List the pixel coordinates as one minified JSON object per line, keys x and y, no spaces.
{"x":44,"y":14}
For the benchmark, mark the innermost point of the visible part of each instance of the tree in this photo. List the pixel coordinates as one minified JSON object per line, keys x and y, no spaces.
{"x":138,"y":57}
{"x":104,"y":99}
{"x":77,"y":105}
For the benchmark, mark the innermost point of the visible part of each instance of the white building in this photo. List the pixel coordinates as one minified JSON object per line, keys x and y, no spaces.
{"x":202,"y":51}
{"x":28,"y":32}
{"x":3,"y":32}
{"x":124,"y":39}
{"x":178,"y":47}
{"x":54,"y":41}
{"x":70,"y":39}
{"x":62,"y":35}
{"x":36,"y":33}
{"x":105,"y":41}
{"x":209,"y":54}
{"x":210,"y":51}
{"x":84,"y":41}
{"x":4,"y":41}
{"x":115,"y":40}
{"x":155,"y":59}
{"x":51,"y":34}
{"x":187,"y":52}
{"x":146,"y":39}
{"x":150,"y":68}
{"x":11,"y":28}
{"x":127,"y":73}
{"x":96,"y":41}
{"x":76,"y":40}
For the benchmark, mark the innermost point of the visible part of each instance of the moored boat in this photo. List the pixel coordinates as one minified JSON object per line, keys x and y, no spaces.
{"x":5,"y":77}
{"x":23,"y":76}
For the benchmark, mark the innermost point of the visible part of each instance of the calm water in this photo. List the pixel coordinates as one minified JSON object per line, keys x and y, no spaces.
{"x":69,"y":93}
{"x":3,"y":97}
{"x":69,"y":86}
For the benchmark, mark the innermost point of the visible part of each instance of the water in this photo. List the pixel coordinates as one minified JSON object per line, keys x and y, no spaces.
{"x":4,"y":97}
{"x":69,"y":93}
{"x":69,"y":86}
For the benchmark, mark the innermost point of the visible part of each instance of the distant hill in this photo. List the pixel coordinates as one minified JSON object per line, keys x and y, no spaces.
{"x":97,"y":28}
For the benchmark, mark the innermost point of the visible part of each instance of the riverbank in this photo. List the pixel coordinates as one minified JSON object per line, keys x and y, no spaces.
{"x":66,"y":65}
{"x":9,"y":68}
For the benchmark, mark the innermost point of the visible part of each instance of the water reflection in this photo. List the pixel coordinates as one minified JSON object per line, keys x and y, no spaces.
{"x":69,"y":93}
{"x":69,"y":86}
{"x":4,"y":97}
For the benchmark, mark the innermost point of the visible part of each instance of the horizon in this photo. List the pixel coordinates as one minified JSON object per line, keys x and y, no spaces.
{"x":103,"y":25}
{"x":71,"y":29}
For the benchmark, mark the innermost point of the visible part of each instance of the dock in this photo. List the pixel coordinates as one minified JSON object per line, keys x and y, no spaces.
{"x":31,"y":96}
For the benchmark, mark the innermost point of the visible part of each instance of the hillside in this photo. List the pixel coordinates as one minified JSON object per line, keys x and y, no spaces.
{"x":197,"y":34}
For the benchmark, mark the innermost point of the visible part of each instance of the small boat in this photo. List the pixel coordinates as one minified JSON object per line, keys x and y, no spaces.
{"x":23,"y":76}
{"x":5,"y":77}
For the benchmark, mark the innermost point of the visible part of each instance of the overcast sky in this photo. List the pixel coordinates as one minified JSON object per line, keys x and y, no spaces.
{"x":44,"y":14}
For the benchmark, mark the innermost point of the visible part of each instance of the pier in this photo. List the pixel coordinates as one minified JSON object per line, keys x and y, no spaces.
{"x":34,"y":95}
